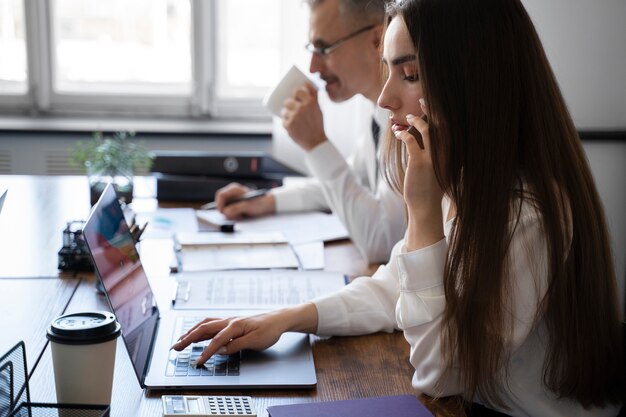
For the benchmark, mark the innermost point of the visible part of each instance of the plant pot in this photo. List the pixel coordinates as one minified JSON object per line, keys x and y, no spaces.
{"x":122,"y":184}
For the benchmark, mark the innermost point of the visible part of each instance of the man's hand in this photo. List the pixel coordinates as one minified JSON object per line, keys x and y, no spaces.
{"x":251,"y":208}
{"x":302,"y":117}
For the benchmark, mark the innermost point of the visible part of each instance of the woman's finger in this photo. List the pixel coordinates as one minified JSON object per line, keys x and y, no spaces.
{"x":220,"y":341}
{"x":203,"y":331}
{"x":421,"y":125}
{"x":417,"y":135}
{"x":423,"y":106}
{"x":409,"y":141}
{"x":195,"y":326}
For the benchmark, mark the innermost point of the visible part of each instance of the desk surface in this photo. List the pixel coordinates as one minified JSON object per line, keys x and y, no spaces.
{"x":32,"y":292}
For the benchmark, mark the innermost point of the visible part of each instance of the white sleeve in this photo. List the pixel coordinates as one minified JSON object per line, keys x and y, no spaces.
{"x":422,"y":302}
{"x":375,"y":221}
{"x":364,"y":306}
{"x":305,"y":196}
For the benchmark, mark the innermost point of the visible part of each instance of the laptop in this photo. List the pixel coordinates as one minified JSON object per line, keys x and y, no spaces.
{"x":148,"y":333}
{"x":2,"y":197}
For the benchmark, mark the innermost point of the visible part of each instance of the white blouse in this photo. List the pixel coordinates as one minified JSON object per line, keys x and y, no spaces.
{"x":407,"y":294}
{"x":371,"y":211}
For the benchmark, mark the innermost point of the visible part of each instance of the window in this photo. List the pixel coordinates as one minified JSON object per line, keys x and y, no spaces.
{"x":258,"y":41}
{"x":122,"y":46}
{"x":189,"y":58}
{"x":13,"y":75}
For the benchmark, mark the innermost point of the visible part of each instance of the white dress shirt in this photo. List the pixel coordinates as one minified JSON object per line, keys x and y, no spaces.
{"x":407,"y":294}
{"x":371,"y":211}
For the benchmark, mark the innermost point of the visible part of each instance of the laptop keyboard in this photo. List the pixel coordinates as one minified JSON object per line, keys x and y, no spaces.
{"x":181,"y":363}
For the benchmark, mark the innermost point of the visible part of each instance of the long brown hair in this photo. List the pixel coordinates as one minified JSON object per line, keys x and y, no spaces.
{"x":501,"y":132}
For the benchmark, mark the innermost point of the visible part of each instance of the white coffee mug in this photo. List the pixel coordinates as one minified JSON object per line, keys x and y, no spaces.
{"x":83,"y":355}
{"x":292,"y":79}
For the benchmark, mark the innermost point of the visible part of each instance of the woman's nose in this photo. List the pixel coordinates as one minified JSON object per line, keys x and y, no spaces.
{"x":387,"y":99}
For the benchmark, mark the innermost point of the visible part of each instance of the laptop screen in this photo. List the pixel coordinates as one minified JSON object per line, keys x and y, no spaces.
{"x":126,"y":285}
{"x":2,"y":197}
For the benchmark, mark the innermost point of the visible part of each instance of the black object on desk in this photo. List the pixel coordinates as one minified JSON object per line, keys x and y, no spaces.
{"x":252,"y":165}
{"x":74,"y":255}
{"x":196,"y":176}
{"x":203,"y":188}
{"x":15,"y":394}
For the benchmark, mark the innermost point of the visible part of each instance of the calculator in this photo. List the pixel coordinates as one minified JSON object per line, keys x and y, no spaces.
{"x":211,"y":405}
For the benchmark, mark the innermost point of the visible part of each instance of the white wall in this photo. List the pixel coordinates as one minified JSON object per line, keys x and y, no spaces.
{"x":585,"y":41}
{"x":608,"y":164}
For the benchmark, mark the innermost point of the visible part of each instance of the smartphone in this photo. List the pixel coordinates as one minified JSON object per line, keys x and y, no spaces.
{"x":417,"y":135}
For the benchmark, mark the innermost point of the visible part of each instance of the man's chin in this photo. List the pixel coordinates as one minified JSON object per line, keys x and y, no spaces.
{"x":335,"y":94}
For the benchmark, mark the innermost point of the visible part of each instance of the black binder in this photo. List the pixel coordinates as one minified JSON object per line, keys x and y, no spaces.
{"x":203,"y":188}
{"x":232,"y":165}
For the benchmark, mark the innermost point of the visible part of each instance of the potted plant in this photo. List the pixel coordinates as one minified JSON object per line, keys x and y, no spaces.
{"x":111,"y":159}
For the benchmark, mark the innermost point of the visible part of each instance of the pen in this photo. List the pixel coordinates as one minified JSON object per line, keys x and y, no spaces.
{"x":141,"y":230}
{"x":247,"y":196}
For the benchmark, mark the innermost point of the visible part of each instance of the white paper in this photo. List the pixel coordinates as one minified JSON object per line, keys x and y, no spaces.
{"x":237,"y":238}
{"x":310,"y":254}
{"x":236,"y":256}
{"x":164,"y":223}
{"x":251,"y":290}
{"x":210,"y":220}
{"x":299,"y":227}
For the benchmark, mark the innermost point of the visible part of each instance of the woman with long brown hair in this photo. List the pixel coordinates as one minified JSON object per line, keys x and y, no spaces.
{"x":504,"y":284}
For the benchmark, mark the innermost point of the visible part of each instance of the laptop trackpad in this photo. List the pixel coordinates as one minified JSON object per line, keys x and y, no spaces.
{"x":290,"y":347}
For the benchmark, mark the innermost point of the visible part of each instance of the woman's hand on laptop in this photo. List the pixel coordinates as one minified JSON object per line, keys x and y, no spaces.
{"x":254,"y":332}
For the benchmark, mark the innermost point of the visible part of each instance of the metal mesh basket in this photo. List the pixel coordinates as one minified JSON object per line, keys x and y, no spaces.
{"x":15,"y":396}
{"x":13,"y":379}
{"x":59,"y":410}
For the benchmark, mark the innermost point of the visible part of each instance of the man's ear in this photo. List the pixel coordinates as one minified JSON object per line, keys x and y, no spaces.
{"x":377,"y":36}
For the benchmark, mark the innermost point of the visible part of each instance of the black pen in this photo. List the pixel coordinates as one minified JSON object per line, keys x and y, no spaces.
{"x":250,"y":195}
{"x":141,"y":230}
{"x":227,"y":226}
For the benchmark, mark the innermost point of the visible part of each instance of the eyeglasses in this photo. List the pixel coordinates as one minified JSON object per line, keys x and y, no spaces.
{"x":327,"y":50}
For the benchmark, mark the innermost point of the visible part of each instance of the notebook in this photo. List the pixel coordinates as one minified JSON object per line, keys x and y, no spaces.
{"x":397,"y":406}
{"x":148,"y":334}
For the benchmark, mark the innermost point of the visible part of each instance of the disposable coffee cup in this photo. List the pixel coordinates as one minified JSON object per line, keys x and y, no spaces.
{"x":83,"y":355}
{"x":292,"y":79}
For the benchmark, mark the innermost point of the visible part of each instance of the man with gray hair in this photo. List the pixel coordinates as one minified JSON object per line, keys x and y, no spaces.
{"x":345,"y":37}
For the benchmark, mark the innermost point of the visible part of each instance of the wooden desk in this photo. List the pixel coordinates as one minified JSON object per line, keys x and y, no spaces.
{"x":34,"y":215}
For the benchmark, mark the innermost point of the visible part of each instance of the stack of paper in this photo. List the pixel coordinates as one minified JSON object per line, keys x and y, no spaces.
{"x":222,"y":251}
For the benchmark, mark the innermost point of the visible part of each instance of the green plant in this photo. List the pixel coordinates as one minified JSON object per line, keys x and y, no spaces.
{"x":112,"y":156}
